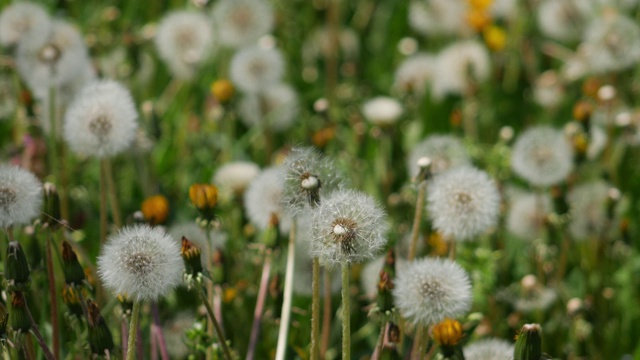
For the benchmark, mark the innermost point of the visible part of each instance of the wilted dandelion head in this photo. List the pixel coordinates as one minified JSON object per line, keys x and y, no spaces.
{"x":241,"y":22}
{"x":184,"y":40}
{"x":235,"y":176}
{"x":542,"y":156}
{"x":463,"y":202}
{"x":415,"y":73}
{"x":444,"y":152}
{"x":140,"y":261}
{"x":309,"y":177}
{"x":438,"y":17}
{"x":528,"y":214}
{"x":263,"y":200}
{"x":21,"y":20}
{"x":20,"y":196}
{"x":429,"y":290}
{"x":489,"y":349}
{"x":101,"y":121}
{"x":612,"y":42}
{"x":253,"y":68}
{"x":273,"y":107}
{"x":459,"y":66}
{"x":348,"y":227}
{"x":382,"y":110}
{"x":588,"y":209}
{"x":563,"y":20}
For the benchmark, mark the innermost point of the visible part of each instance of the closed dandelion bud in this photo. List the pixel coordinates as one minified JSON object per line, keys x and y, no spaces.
{"x":222,"y":90}
{"x":51,"y":212}
{"x":582,"y":111}
{"x":448,"y":334}
{"x":155,"y":209}
{"x":191,"y":256}
{"x":205,"y":198}
{"x":17,"y":269}
{"x":100,"y":339}
{"x":125,"y":303}
{"x":385,"y":284}
{"x":71,"y":298}
{"x":73,"y":271}
{"x":18,"y":313}
{"x":529,"y":343}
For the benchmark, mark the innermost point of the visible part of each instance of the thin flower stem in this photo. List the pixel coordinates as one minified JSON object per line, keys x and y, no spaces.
{"x":346,"y":314}
{"x":417,"y":219}
{"x":124,"y":335}
{"x":113,"y":194}
{"x":257,"y":314}
{"x":452,"y":248}
{"x":162,"y":344}
{"x":216,"y":325}
{"x":378,"y":349}
{"x":283,"y":333}
{"x":52,"y":294}
{"x":327,"y":314}
{"x":133,"y":326}
{"x":103,"y":201}
{"x":315,"y":309}
{"x":36,"y":332}
{"x":417,"y":348}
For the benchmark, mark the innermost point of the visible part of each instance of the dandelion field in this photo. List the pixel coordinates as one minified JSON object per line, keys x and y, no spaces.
{"x":325,"y":179}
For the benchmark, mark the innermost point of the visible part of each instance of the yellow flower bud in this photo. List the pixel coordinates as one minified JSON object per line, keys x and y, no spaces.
{"x":222,"y":90}
{"x":155,"y":209}
{"x":448,"y":332}
{"x":480,"y":4}
{"x":495,"y":37}
{"x":478,"y":19}
{"x":203,"y":196}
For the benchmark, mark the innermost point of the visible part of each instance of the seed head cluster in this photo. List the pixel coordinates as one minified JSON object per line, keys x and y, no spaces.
{"x":20,"y":196}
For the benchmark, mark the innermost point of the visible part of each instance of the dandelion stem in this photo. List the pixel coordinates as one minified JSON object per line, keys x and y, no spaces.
{"x":113,"y":195}
{"x":103,"y":202}
{"x":315,"y":308}
{"x":417,"y":348}
{"x":52,"y":294}
{"x":378,"y":349}
{"x":216,"y":325}
{"x":257,"y":314}
{"x":326,"y":314}
{"x":36,"y":332}
{"x":133,"y":326}
{"x":162,"y":344}
{"x":346,"y":313}
{"x":417,"y":219}
{"x":283,"y":334}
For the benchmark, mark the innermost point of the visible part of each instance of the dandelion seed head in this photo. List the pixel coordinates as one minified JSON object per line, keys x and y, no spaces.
{"x":612,"y":43}
{"x":429,"y":290}
{"x":588,"y":209}
{"x":415,"y":73}
{"x":542,"y":156}
{"x":563,"y":20}
{"x":253,"y":68}
{"x":463,"y":202}
{"x":142,"y":262}
{"x":458,"y":67}
{"x":242,"y":22}
{"x":274,"y":107}
{"x":443,"y":151}
{"x":527,"y":215}
{"x":264,"y":199}
{"x":489,"y":349}
{"x":20,"y":196}
{"x":438,"y":17}
{"x":382,"y":110}
{"x":235,"y":176}
{"x":22,"y":20}
{"x":101,"y":121}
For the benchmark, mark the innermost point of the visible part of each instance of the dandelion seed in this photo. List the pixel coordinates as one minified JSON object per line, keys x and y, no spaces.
{"x":463,"y":202}
{"x":142,"y":262}
{"x":348,"y":227}
{"x":542,"y":156}
{"x":382,"y":111}
{"x":20,"y":196}
{"x":444,"y":151}
{"x":415,"y":73}
{"x":459,"y":66}
{"x":241,"y":22}
{"x":431,"y":289}
{"x":263,"y":200}
{"x":253,"y":68}
{"x":274,"y":107}
{"x":22,"y":20}
{"x":101,"y":121}
{"x":184,"y":40}
{"x":489,"y":349}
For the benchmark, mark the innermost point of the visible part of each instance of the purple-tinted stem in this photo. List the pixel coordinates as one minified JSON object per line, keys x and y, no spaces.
{"x":257,"y":314}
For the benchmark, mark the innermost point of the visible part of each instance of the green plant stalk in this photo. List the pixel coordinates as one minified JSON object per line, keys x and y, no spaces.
{"x":326,"y":314}
{"x":52,"y":293}
{"x":417,"y":219}
{"x":210,"y":329}
{"x":285,"y":318}
{"x":36,"y":332}
{"x":216,"y":325}
{"x":315,"y":309}
{"x":103,"y":202}
{"x":133,"y":326}
{"x":113,"y":194}
{"x":346,"y":314}
{"x":417,"y":349}
{"x":257,"y":314}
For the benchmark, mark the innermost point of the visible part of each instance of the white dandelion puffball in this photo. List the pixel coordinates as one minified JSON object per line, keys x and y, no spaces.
{"x":458,"y":66}
{"x":588,"y":209}
{"x":253,"y":68}
{"x":348,"y":227}
{"x":263,"y":199}
{"x":20,"y":196}
{"x":53,"y":59}
{"x":463,"y":202}
{"x":548,"y":90}
{"x":563,"y":20}
{"x":444,"y":152}
{"x":320,"y":44}
{"x":597,"y":142}
{"x":382,"y":110}
{"x":489,"y":349}
{"x":438,"y":17}
{"x":429,"y":290}
{"x":184,"y":40}
{"x":273,"y":107}
{"x":141,"y":262}
{"x":612,"y":43}
{"x":101,"y":121}
{"x":235,"y":176}
{"x":242,"y":22}
{"x":542,"y":156}
{"x":527,"y":215}
{"x":21,"y":20}
{"x":415,"y":73}
{"x":309,"y":177}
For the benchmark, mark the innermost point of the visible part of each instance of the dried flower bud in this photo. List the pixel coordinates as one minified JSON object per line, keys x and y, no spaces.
{"x":191,"y":256}
{"x":71,"y":298}
{"x":18,"y":313}
{"x":222,"y":90}
{"x":73,"y":271}
{"x":205,"y":198}
{"x":582,"y":111}
{"x":155,"y":209}
{"x":100,"y":339}
{"x":529,"y":343}
{"x":17,"y":269}
{"x":51,"y":206}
